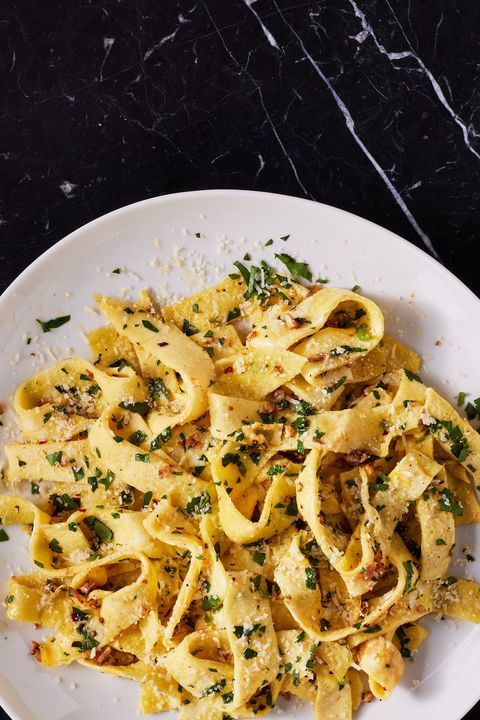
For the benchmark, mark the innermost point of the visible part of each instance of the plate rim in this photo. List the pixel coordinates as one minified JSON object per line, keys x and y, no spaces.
{"x":227,"y":193}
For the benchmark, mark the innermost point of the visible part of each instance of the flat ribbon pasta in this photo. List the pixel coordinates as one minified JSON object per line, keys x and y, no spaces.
{"x":249,"y":493}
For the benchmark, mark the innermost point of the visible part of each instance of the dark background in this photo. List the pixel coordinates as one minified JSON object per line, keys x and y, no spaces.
{"x":372,"y":106}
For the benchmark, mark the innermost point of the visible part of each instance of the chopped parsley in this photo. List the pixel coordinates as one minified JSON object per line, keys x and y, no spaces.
{"x":291,"y":509}
{"x":372,"y":629}
{"x":64,"y":502}
{"x":448,"y":503}
{"x":188,"y":328}
{"x":344,"y":349}
{"x":302,"y":407}
{"x":301,"y":424}
{"x":88,"y":643}
{"x":142,"y":457}
{"x":136,"y":407}
{"x":259,"y":557}
{"x":54,"y":458}
{"x":233,"y":314}
{"x":199,"y":505}
{"x":380,"y":484}
{"x":78,"y":473}
{"x":362,"y":333}
{"x":412,"y":376}
{"x":215,"y":688}
{"x":408,"y":565}
{"x":55,"y":546}
{"x":157,"y":388}
{"x":295,"y":268}
{"x":247,"y":630}
{"x":147,"y":324}
{"x":473,"y":409}
{"x":48,"y":325}
{"x":137,"y":437}
{"x":459,"y":446}
{"x":210,"y":602}
{"x":461,"y":398}
{"x":404,"y":639}
{"x":310,"y":578}
{"x":336,"y":385}
{"x":102,"y":531}
{"x":161,"y":438}
{"x":275,"y":470}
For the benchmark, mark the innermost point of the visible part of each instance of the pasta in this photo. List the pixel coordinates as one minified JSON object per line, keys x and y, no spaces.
{"x":248,"y":494}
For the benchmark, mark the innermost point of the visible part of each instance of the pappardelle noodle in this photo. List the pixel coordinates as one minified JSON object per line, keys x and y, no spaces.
{"x":247,"y":494}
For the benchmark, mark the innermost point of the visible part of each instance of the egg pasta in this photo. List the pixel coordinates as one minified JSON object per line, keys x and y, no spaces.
{"x":250,"y":493}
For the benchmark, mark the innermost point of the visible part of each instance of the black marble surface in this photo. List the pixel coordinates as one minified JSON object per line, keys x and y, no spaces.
{"x":369,"y":105}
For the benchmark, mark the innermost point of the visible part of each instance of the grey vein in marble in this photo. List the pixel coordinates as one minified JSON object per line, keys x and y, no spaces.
{"x":350,"y":124}
{"x":107,"y":46}
{"x":265,"y":30}
{"x":161,"y":42}
{"x":367,"y":31}
{"x":262,"y":103}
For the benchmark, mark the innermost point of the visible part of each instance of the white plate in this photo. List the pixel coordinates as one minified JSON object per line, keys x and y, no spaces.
{"x":422,"y":302}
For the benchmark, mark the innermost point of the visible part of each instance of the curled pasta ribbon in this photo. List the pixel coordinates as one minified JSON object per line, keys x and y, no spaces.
{"x":254,"y":373}
{"x":109,"y":612}
{"x":165,"y":349}
{"x":275,"y":515}
{"x":369,"y":426}
{"x":18,"y":511}
{"x":53,"y":462}
{"x":252,"y":639}
{"x":57,"y":545}
{"x":367,"y":551}
{"x":195,"y":664}
{"x":64,"y":401}
{"x":206,"y":314}
{"x":253,"y":642}
{"x":463,"y":603}
{"x":332,"y":702}
{"x":383,"y":663}
{"x":434,"y":524}
{"x":439,"y":411}
{"x":300,"y":662}
{"x":304,"y":599}
{"x":283,"y":331}
{"x":408,"y":608}
{"x":298,"y":659}
{"x":148,"y":470}
{"x":209,"y":307}
{"x":171,"y":527}
{"x":227,"y":413}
